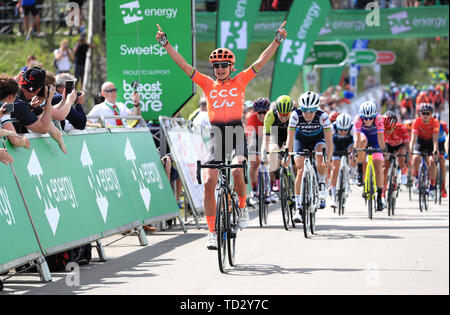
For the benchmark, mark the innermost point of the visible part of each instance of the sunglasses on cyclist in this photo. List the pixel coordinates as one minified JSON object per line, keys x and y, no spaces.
{"x":368,"y":118}
{"x":309,"y":110}
{"x":111,"y":90}
{"x":262,"y":113}
{"x":222,"y":65}
{"x":426,"y":113}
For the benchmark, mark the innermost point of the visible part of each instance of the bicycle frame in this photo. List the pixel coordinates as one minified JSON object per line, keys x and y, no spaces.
{"x":368,"y":173}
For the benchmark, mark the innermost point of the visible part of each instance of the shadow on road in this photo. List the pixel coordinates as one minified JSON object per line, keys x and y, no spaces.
{"x":100,"y":275}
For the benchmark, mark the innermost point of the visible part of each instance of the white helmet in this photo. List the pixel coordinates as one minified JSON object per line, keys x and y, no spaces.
{"x":344,"y":122}
{"x":309,"y":100}
{"x":368,"y":109}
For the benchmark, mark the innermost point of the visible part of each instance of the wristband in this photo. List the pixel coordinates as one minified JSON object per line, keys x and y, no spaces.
{"x":163,"y":40}
{"x":279,"y":37}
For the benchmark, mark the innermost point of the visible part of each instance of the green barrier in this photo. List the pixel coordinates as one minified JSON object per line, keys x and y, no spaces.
{"x":101,"y":187}
{"x":19,"y":244}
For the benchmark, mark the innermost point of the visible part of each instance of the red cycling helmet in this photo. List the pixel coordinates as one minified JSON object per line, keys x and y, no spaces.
{"x":390,"y":119}
{"x":222,"y":55}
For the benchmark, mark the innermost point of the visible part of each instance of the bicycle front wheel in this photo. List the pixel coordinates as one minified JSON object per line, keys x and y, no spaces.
{"x":306,"y":204}
{"x":285,"y":209}
{"x":221,"y":228}
{"x":262,"y":198}
{"x":232,"y":234}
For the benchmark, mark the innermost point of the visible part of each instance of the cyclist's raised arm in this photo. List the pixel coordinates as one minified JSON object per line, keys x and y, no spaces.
{"x":161,"y":37}
{"x":268,"y":53}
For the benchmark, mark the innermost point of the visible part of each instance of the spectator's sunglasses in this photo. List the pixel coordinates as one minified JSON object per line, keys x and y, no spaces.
{"x":111,"y":90}
{"x":223,"y":65}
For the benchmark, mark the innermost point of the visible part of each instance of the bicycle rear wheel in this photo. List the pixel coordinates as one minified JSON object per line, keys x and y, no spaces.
{"x":439,"y":182}
{"x":285,"y":209}
{"x":221,"y":228}
{"x":291,"y":196}
{"x":410,"y":183}
{"x":422,"y":189}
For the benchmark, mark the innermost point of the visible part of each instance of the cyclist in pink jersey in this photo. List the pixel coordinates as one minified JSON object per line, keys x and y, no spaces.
{"x":369,"y":132}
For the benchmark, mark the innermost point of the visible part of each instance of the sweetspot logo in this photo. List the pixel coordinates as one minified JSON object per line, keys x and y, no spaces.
{"x":131,"y":12}
{"x":5,"y":207}
{"x":57,"y":190}
{"x":102,"y":181}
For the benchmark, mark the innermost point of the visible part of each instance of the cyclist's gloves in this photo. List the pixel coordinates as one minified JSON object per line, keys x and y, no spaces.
{"x":163,"y":40}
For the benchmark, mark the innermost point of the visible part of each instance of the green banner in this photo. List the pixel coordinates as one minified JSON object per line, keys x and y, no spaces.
{"x":235,"y":26}
{"x":423,"y":21}
{"x":106,"y":183}
{"x":19,"y":244}
{"x":134,"y":55}
{"x":303,"y":24}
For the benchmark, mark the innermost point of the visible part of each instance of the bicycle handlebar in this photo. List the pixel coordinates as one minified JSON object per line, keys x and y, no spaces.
{"x":219,"y":167}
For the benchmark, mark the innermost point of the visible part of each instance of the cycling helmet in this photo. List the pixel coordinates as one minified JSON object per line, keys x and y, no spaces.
{"x":261,"y":104}
{"x":426,"y":107}
{"x":334,"y":115}
{"x":368,"y":109}
{"x":344,"y":122}
{"x":284,"y":104}
{"x":309,"y":100}
{"x":222,"y":55}
{"x":390,"y":119}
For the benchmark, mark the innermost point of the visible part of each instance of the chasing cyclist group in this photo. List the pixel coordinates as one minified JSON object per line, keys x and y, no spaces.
{"x":301,"y":127}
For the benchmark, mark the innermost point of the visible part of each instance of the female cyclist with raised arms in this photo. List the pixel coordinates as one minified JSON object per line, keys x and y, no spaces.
{"x":369,"y":132}
{"x":225,"y":99}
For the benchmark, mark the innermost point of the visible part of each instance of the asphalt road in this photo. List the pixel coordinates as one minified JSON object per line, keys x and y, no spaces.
{"x":405,"y":254}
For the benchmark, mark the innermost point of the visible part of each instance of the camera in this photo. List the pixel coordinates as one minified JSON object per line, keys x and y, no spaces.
{"x":70,"y":85}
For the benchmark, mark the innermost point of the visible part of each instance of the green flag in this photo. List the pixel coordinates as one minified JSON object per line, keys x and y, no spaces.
{"x":304,"y":21}
{"x":235,"y":25}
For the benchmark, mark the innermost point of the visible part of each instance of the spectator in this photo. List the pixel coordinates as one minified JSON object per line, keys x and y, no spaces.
{"x":31,"y":63}
{"x":202,"y":119}
{"x":63,"y":57}
{"x":26,"y":7}
{"x":35,"y":112}
{"x":76,"y":119}
{"x":80,"y":51}
{"x":111,"y":108}
{"x":8,"y":90}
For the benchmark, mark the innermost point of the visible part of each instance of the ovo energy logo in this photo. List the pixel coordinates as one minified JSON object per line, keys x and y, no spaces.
{"x":55,"y":191}
{"x":293,"y":51}
{"x":102,"y":182}
{"x":5,"y":207}
{"x":233,"y":35}
{"x":399,"y":23}
{"x":131,"y":12}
